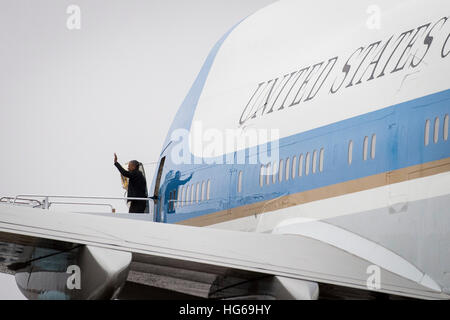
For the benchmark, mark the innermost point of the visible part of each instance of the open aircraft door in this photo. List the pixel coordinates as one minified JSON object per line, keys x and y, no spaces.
{"x":157,"y":201}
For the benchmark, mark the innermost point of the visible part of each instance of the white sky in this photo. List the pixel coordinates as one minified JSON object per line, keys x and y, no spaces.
{"x":70,"y":99}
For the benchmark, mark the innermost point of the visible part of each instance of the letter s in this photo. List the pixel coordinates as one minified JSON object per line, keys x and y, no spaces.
{"x":428,"y":41}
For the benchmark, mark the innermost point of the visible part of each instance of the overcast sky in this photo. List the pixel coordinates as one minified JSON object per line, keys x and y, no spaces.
{"x":69,"y":99}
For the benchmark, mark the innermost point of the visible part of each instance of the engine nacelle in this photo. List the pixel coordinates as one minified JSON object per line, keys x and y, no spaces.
{"x":83,"y":272}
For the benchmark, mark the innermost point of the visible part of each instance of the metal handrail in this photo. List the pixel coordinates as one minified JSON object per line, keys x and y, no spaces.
{"x":46,"y":203}
{"x":14,"y":200}
{"x":83,"y":197}
{"x":82,"y":204}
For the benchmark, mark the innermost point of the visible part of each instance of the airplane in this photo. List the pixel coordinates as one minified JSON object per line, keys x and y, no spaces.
{"x":309,"y":160}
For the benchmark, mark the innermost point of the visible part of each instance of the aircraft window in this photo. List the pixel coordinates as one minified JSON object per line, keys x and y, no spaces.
{"x":436,"y":130}
{"x":240,"y":182}
{"x":203,"y":191}
{"x":261,"y":176}
{"x":321,"y":159}
{"x":446,"y":127}
{"x":280,"y":171}
{"x":181,"y":196}
{"x":174,"y":202}
{"x":350,"y":152}
{"x":178,"y":197}
{"x":300,"y":165}
{"x":174,"y":199}
{"x":197,"y":192}
{"x":373,"y":146}
{"x":307,"y":163}
{"x":192,"y":193}
{"x":294,"y":166}
{"x":268,"y":173}
{"x":314,"y":161}
{"x":173,"y":196}
{"x":427,"y":132}
{"x":187,"y":195}
{"x":208,"y":189}
{"x":170,"y":200}
{"x":365,"y":148}
{"x":288,"y":167}
{"x":274,"y":172}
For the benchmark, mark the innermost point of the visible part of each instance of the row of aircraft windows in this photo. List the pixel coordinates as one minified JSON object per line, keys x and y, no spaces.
{"x":365,"y":155}
{"x":195,"y":193}
{"x":284,"y":169}
{"x":276,"y":172}
{"x":436,"y":130}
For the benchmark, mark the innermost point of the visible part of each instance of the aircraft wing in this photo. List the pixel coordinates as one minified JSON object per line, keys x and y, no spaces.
{"x":46,"y":249}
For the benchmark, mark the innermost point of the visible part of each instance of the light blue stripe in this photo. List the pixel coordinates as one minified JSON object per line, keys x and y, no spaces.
{"x":400,"y":144}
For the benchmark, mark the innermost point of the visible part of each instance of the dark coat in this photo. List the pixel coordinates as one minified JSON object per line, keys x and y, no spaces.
{"x":137,"y":185}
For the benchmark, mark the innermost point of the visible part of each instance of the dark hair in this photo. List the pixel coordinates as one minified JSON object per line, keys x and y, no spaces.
{"x":135,"y":163}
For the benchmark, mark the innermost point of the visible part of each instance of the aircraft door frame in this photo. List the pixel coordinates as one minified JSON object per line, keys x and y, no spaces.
{"x":157,"y":201}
